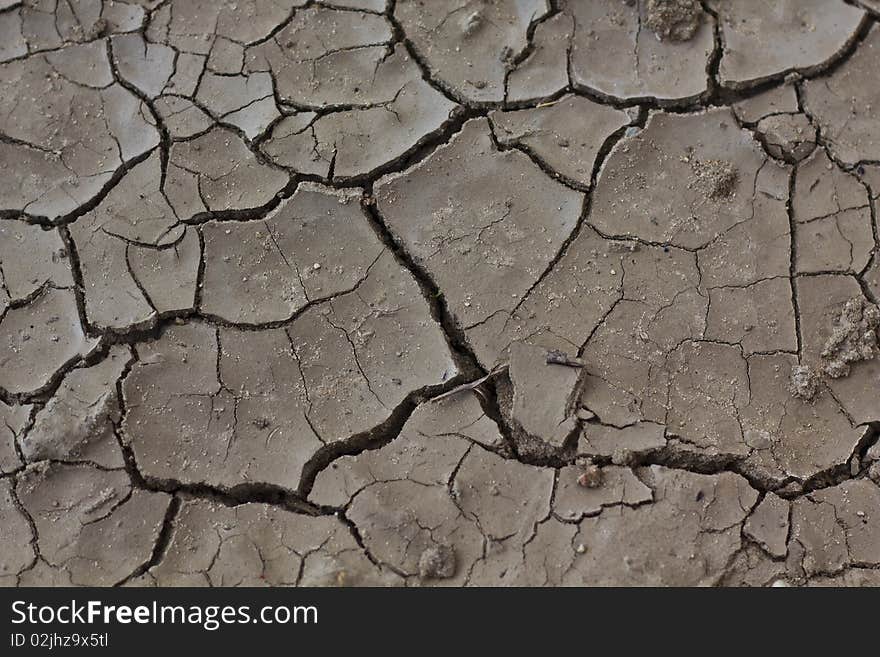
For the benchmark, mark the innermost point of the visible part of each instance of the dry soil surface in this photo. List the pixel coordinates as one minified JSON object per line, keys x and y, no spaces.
{"x":466,"y":292}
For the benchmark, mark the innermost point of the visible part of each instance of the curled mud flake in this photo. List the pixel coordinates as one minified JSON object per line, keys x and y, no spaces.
{"x":804,"y":382}
{"x":674,"y":20}
{"x":853,"y":339}
{"x":715,"y":178}
{"x":437,"y":562}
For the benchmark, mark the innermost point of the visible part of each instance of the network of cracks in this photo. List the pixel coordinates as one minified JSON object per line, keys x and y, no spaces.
{"x":472,"y":292}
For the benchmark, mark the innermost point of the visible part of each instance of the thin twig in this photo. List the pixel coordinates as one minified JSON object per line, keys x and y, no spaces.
{"x":556,"y":357}
{"x":472,"y":384}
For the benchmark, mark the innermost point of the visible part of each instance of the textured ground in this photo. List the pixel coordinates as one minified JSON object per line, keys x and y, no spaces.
{"x":468,"y":292}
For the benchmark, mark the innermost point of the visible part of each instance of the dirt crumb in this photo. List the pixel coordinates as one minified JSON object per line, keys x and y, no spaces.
{"x":804,"y":382}
{"x":674,"y":20}
{"x":853,"y":339}
{"x":437,"y":562}
{"x":715,"y":178}
{"x":591,"y":477}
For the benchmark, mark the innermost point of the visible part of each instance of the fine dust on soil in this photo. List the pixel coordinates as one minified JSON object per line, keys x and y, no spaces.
{"x":459,"y":293}
{"x":674,"y":20}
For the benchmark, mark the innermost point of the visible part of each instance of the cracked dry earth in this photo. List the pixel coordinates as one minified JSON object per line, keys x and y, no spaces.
{"x":472,"y":292}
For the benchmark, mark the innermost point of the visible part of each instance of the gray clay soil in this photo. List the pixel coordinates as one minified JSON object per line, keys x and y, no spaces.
{"x":465,"y":292}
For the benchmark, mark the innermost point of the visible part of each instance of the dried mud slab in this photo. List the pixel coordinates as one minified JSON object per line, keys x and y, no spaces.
{"x":78,"y":423}
{"x":687,"y":180}
{"x":469,"y":47}
{"x":484,"y":223}
{"x":826,"y":301}
{"x":326,"y":57}
{"x":343,"y":143}
{"x":181,"y":117}
{"x":443,"y":506}
{"x":314,"y":246}
{"x":433,"y":294}
{"x":430,"y":446}
{"x":17,"y":552}
{"x":543,"y":394}
{"x":622,"y":445}
{"x":565,"y":136}
{"x":492,"y":521}
{"x":38,"y":339}
{"x":86,"y":129}
{"x":766,"y":40}
{"x":835,"y":528}
{"x":246,"y":102}
{"x":40,"y":329}
{"x":703,"y":344}
{"x":844,"y":103}
{"x":775,"y":101}
{"x":136,"y":211}
{"x":259,"y":545}
{"x":13,"y":420}
{"x":217,"y":173}
{"x":167,"y":275}
{"x":769,"y":525}
{"x":618,"y":487}
{"x":92,"y":527}
{"x":832,"y":213}
{"x":31,"y":258}
{"x":229,"y":407}
{"x":40,"y":25}
{"x":616,"y":54}
{"x":543,"y":72}
{"x":199,"y":26}
{"x":636,"y":542}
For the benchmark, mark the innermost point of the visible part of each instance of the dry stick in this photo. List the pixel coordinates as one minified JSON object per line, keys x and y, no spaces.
{"x":471,"y":385}
{"x":561,"y":358}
